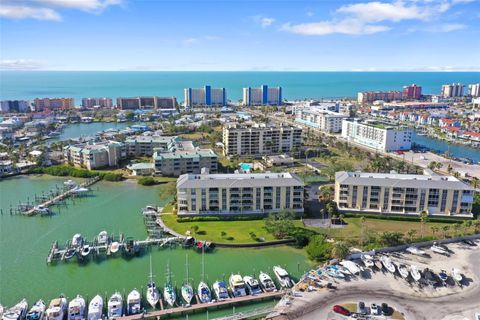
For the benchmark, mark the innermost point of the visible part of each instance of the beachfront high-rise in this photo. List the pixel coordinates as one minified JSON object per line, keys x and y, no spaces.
{"x":406,"y":194}
{"x":474,"y":90}
{"x":148,"y":102}
{"x":205,"y":97}
{"x":97,"y":102}
{"x":262,"y":96}
{"x":371,"y":96}
{"x":53,"y":103}
{"x":323,"y":120}
{"x":452,"y":90}
{"x":14,"y":106}
{"x":412,"y":92}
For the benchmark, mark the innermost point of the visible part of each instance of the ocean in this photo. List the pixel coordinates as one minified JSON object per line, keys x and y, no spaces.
{"x":296,"y":85}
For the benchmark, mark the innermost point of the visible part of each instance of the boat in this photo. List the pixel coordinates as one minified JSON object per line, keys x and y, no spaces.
{"x":204,"y":292}
{"x":134,"y":302}
{"x":457,"y":275}
{"x":56,"y":309}
{"x":415,"y":273}
{"x":387,"y":263}
{"x":80,"y":190}
{"x":153,"y":295}
{"x":1,"y":311}
{"x":439,"y":249}
{"x":237,"y":285}
{"x":266,"y":282}
{"x":169,"y":293}
{"x":443,"y":276}
{"x":253,"y":285}
{"x":70,"y":253}
{"x":70,"y":183}
{"x":37,"y":311}
{"x":114,"y":247}
{"x":17,"y":312}
{"x":282,"y":276}
{"x":415,"y":251}
{"x":367,"y":260}
{"x":77,"y":240}
{"x":115,"y":306}
{"x":95,"y":308}
{"x":187,"y":289}
{"x":76,"y":308}
{"x":86,"y":249}
{"x":351,"y":266}
{"x":403,"y":270}
{"x":41,"y":209}
{"x":221,"y":291}
{"x":334,"y":271}
{"x":102,"y":238}
{"x":429,"y":276}
{"x":378,"y":264}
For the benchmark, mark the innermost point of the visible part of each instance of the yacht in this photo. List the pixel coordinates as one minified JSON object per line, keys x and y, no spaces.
{"x":76,"y":309}
{"x":153,"y":295}
{"x":17,"y":312}
{"x":415,"y":273}
{"x":266,"y":282}
{"x":37,"y":311}
{"x":221,"y":291}
{"x":115,"y":306}
{"x":169,"y":293}
{"x":282,"y":276}
{"x":102,"y":238}
{"x":134,"y":305}
{"x":56,"y":309}
{"x":237,"y":285}
{"x":95,"y":308}
{"x":388,"y":264}
{"x":204,"y":293}
{"x":77,"y":240}
{"x":253,"y":285}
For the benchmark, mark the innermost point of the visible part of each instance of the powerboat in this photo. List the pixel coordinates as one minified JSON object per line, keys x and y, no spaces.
{"x":153,"y":295}
{"x":457,"y":275}
{"x":86,"y":249}
{"x":79,"y":190}
{"x":56,"y":309}
{"x":77,"y":240}
{"x":415,"y":273}
{"x":266,"y":282}
{"x":351,"y":266}
{"x":237,"y":285}
{"x":17,"y":312}
{"x":221,"y":291}
{"x":402,"y":269}
{"x":41,"y":209}
{"x":37,"y":311}
{"x":76,"y":308}
{"x":253,"y":285}
{"x":114,"y":247}
{"x":204,"y":293}
{"x":439,"y":249}
{"x":334,"y":272}
{"x":115,"y":306}
{"x":415,"y":251}
{"x":133,"y":302}
{"x":102,"y":238}
{"x":282,"y":276}
{"x":367,"y":260}
{"x":388,"y":264}
{"x":378,"y":264}
{"x":95,"y":308}
{"x":169,"y":293}
{"x":443,"y":276}
{"x":187,"y":293}
{"x":70,"y":253}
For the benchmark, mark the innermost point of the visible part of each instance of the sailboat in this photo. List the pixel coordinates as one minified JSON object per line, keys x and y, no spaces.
{"x":204,"y":293}
{"x":169,"y":293}
{"x":153,"y":295}
{"x":187,"y":290}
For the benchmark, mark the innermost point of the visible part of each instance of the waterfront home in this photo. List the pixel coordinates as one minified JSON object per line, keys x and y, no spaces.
{"x":453,"y":132}
{"x":444,"y":122}
{"x":6,"y":167}
{"x":472,"y":136}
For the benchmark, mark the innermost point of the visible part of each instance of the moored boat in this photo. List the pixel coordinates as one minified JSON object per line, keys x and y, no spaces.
{"x":415,"y":273}
{"x":169,"y":293}
{"x":115,"y":306}
{"x":133,"y":302}
{"x":204,"y":293}
{"x":443,"y":276}
{"x":457,"y":275}
{"x":76,"y":308}
{"x":56,"y":309}
{"x":403,"y":270}
{"x":439,"y":249}
{"x":221,"y":291}
{"x":95,"y":308}
{"x":153,"y":295}
{"x":37,"y":311}
{"x":77,"y":240}
{"x":416,"y":251}
{"x":114,"y":247}
{"x":17,"y":312}
{"x":351,"y":266}
{"x":187,"y":289}
{"x":334,"y":271}
{"x":86,"y":249}
{"x":388,"y":264}
{"x":367,"y":260}
{"x":237,"y":285}
{"x":102,"y":238}
{"x":282,"y":276}
{"x":266,"y":282}
{"x":41,"y":209}
{"x":252,"y":284}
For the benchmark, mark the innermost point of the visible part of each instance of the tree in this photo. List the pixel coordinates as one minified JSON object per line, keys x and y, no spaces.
{"x":432,"y":165}
{"x":476,"y":205}
{"x":445,"y":230}
{"x":363,"y":230}
{"x":340,"y":250}
{"x":466,"y":224}
{"x":332,"y":209}
{"x":423,"y":220}
{"x":434,"y":230}
{"x":391,"y":239}
{"x":411,"y":234}
{"x":318,"y":248}
{"x":475,"y":182}
{"x":280,"y":224}
{"x":326,"y":193}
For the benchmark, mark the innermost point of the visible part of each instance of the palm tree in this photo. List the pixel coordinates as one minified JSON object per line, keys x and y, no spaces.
{"x":445,"y":229}
{"x":434,"y":230}
{"x":363,"y":230}
{"x":423,"y":220}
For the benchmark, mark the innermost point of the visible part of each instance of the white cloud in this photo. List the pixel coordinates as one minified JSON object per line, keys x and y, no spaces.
{"x":23,"y":12}
{"x":381,"y":11}
{"x":263,"y":21}
{"x":449,"y":27}
{"x":21,"y":64}
{"x":85,"y":5}
{"x":346,"y":26}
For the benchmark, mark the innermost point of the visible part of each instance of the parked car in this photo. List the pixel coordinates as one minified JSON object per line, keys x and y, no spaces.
{"x":385,"y":309}
{"x":374,"y":309}
{"x":341,"y":310}
{"x":361,"y":308}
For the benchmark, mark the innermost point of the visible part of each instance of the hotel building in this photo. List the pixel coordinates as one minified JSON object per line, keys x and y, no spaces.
{"x":474,"y":90}
{"x":259,"y":140}
{"x":242,"y":193}
{"x":371,"y":96}
{"x":326,"y":121}
{"x":93,"y":156}
{"x":53,"y":103}
{"x":412,"y":92}
{"x":376,"y":135}
{"x":205,"y":97}
{"x":97,"y":102}
{"x":163,"y":103}
{"x":262,"y":96}
{"x":452,"y":90}
{"x":405,"y":194}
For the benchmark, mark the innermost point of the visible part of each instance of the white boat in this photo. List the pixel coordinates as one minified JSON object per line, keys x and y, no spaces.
{"x":134,"y":302}
{"x":102,"y":238}
{"x":253,"y":285}
{"x":415,"y":273}
{"x":204,"y":293}
{"x":115,"y":306}
{"x":403,"y":270}
{"x":169,"y":293}
{"x":80,"y":190}
{"x":457,"y":275}
{"x":56,"y":309}
{"x":77,"y":240}
{"x":187,"y":289}
{"x":17,"y":312}
{"x":1,"y":311}
{"x":76,"y":308}
{"x":416,"y":251}
{"x":41,"y":209}
{"x":351,"y":266}
{"x":95,"y":308}
{"x":237,"y":285}
{"x":439,"y":249}
{"x":114,"y":247}
{"x":266,"y":282}
{"x":282,"y":276}
{"x":221,"y":291}
{"x":86,"y":249}
{"x":153,"y":295}
{"x":388,"y":264}
{"x":70,"y":183}
{"x":367,"y":260}
{"x":37,"y":311}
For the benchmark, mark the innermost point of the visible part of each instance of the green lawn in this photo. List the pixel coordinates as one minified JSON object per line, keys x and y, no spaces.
{"x":239,"y":230}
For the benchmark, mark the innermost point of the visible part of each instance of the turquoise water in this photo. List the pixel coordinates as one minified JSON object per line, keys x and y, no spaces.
{"x":296,"y":85}
{"x":82,"y":130}
{"x":456,"y":150}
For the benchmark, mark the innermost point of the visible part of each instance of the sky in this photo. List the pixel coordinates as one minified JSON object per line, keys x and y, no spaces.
{"x":243,"y":35}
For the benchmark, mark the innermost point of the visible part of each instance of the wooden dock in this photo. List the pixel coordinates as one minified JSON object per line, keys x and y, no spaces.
{"x":203,"y":306}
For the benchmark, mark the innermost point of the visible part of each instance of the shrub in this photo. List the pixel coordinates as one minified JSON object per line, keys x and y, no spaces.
{"x":319,"y":249}
{"x":147,"y":181}
{"x":230,"y":238}
{"x":112,"y":177}
{"x":202,"y":232}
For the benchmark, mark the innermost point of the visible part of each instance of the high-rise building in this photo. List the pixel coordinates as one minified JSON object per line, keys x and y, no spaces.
{"x":191,"y":160}
{"x":326,"y":121}
{"x":14,"y":106}
{"x":371,"y":96}
{"x":262,"y":96}
{"x":205,"y":97}
{"x":474,"y":90}
{"x":412,"y":92}
{"x":452,"y":90}
{"x":97,"y":102}
{"x":53,"y":103}
{"x":95,"y":155}
{"x":147,"y":103}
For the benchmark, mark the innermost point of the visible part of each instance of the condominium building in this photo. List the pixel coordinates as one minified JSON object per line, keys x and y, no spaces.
{"x":205,"y":97}
{"x":376,"y":135}
{"x":95,"y":155}
{"x":178,"y":162}
{"x":14,"y":106}
{"x":412,"y":92}
{"x":371,"y":96}
{"x":140,"y":146}
{"x":474,"y":90}
{"x":452,"y":90}
{"x":407,"y":194}
{"x":97,"y":103}
{"x":326,"y":121}
{"x":260,"y":140}
{"x":262,"y":96}
{"x":53,"y":103}
{"x":152,"y":102}
{"x":223,"y":194}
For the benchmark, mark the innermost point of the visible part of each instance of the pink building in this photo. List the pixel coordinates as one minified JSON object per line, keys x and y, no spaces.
{"x":412,"y":92}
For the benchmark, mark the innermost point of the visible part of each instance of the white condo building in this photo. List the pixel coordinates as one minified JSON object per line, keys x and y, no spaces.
{"x":326,"y":121}
{"x":376,"y":135}
{"x":262,"y":96}
{"x":205,"y":97}
{"x":474,"y":90}
{"x":452,"y":90}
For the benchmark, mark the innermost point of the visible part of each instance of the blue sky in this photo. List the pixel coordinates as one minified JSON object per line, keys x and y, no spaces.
{"x":404,"y":35}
